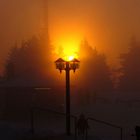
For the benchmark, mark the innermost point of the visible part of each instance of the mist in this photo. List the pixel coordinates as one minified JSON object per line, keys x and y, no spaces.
{"x":108,"y":25}
{"x":99,"y":77}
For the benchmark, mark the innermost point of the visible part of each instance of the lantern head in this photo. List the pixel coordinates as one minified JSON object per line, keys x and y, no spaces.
{"x":74,"y":64}
{"x":60,"y":64}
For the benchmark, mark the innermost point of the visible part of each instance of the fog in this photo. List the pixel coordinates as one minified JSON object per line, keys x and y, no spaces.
{"x":108,"y":24}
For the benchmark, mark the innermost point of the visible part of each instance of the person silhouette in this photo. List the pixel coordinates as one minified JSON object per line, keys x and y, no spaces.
{"x":82,"y":125}
{"x":137,"y":132}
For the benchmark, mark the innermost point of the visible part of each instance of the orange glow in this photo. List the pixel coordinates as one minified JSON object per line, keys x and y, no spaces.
{"x":69,"y":48}
{"x":69,"y":58}
{"x":67,"y":38}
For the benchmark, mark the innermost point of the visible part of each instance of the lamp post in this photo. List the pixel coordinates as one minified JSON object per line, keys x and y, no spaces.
{"x":67,"y":66}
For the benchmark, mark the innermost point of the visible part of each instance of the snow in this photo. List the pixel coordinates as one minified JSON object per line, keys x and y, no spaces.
{"x":11,"y":131}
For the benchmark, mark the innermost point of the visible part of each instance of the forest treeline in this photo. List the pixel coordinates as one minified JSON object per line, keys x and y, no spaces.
{"x":34,"y":60}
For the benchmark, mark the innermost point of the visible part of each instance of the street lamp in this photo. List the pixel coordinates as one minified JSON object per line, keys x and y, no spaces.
{"x":67,"y":66}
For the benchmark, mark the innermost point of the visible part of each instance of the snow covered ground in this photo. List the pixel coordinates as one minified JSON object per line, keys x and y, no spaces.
{"x":123,"y":113}
{"x":12,"y":131}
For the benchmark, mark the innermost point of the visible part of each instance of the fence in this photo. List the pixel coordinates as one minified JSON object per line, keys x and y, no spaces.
{"x":104,"y":128}
{"x":56,"y":122}
{"x":20,"y":100}
{"x":52,"y":121}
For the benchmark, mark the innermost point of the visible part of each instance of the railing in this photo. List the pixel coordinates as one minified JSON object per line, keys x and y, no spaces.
{"x":33,"y":110}
{"x":106,"y":123}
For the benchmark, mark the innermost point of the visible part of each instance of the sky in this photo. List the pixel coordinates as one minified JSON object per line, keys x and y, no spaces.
{"x":108,"y":25}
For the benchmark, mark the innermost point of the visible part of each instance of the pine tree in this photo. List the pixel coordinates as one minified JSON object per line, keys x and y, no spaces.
{"x":94,"y":74}
{"x":29,"y":61}
{"x":10,"y":64}
{"x":130,"y":68}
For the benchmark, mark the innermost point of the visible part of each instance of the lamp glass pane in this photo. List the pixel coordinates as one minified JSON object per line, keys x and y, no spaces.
{"x":60,"y":65}
{"x":74,"y":65}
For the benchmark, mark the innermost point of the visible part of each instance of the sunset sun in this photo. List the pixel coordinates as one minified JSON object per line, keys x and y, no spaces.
{"x":70,"y":58}
{"x":69,"y":48}
{"x":70,"y":69}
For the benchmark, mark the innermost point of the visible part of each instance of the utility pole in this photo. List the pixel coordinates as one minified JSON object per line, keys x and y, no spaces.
{"x":68,"y":130}
{"x":67,"y":66}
